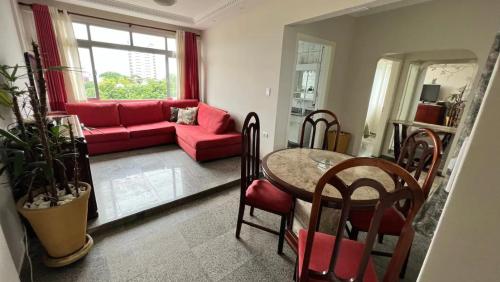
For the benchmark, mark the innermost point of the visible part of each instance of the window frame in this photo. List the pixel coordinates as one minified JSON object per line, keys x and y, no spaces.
{"x":89,"y":43}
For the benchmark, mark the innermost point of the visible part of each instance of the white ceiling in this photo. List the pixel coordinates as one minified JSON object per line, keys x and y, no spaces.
{"x":191,"y":13}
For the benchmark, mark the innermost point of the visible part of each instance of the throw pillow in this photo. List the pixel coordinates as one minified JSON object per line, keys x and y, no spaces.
{"x":187,"y":115}
{"x":173,"y":114}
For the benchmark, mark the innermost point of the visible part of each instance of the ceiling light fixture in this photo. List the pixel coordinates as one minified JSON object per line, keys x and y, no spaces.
{"x":165,"y":2}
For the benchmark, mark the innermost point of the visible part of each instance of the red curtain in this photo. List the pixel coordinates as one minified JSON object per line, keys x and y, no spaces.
{"x":50,"y":57}
{"x":191,"y":83}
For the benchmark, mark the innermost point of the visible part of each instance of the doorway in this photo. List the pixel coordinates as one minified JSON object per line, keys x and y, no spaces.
{"x":379,"y":108}
{"x":435,"y":95}
{"x":310,"y":83}
{"x":437,"y":84}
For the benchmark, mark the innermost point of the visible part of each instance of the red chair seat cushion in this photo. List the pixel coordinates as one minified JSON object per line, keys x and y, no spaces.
{"x":132,"y":113}
{"x":264,"y":195}
{"x":391,"y":224}
{"x":106,"y":134}
{"x":199,"y":139}
{"x":95,"y":114}
{"x":151,"y":129}
{"x":347,"y":261}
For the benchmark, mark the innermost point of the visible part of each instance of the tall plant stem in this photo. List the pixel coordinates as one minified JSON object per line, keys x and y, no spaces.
{"x":19,"y":117}
{"x":75,"y":160}
{"x":41,"y":81}
{"x":41,"y":125}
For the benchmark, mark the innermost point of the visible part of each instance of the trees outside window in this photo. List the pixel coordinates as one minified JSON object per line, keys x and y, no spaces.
{"x":125,"y":64}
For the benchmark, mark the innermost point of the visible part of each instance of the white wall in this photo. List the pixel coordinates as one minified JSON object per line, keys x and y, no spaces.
{"x":466,"y":245}
{"x":435,"y":25}
{"x":245,"y":54}
{"x":450,"y":77}
{"x":339,"y":31}
{"x":10,"y":53}
{"x":243,"y":57}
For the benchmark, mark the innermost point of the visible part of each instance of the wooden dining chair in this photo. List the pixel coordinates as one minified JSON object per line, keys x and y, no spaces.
{"x":255,"y":192}
{"x":324,"y":257}
{"x":315,"y":119}
{"x":420,"y":155}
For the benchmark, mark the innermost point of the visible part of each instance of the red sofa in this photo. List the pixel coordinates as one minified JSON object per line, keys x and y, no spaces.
{"x":114,"y":126}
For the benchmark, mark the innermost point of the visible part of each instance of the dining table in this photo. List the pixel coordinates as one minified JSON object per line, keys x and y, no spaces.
{"x":297,"y":171}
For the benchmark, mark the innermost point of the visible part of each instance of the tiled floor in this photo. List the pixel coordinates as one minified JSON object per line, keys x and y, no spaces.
{"x":129,"y":182}
{"x":194,"y":242}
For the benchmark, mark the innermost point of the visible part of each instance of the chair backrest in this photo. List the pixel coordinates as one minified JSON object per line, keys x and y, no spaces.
{"x":315,"y":119}
{"x":410,"y":190}
{"x":421,"y":150}
{"x":250,"y":151}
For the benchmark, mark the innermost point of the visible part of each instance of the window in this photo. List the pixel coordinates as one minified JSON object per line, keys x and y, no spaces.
{"x":124,"y":64}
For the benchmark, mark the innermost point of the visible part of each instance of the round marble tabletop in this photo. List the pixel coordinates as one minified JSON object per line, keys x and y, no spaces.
{"x":297,"y":171}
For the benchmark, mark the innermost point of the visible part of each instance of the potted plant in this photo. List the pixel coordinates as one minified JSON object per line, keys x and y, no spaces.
{"x":40,"y":157}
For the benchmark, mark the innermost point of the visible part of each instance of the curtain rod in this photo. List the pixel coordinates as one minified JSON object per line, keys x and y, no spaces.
{"x":104,"y":19}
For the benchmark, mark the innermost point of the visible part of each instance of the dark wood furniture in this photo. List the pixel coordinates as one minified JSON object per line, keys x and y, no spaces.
{"x":331,"y":128}
{"x":401,"y":129}
{"x":335,"y":258}
{"x":297,"y":171}
{"x":255,"y":192}
{"x":85,"y":173}
{"x":430,"y":113}
{"x":315,"y":119}
{"x":420,"y":156}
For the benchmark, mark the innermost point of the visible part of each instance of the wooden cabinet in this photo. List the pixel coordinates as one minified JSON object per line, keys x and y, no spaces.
{"x":84,"y":171}
{"x":430,"y":113}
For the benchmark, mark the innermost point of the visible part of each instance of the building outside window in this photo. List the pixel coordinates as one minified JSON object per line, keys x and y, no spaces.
{"x":122,"y":63}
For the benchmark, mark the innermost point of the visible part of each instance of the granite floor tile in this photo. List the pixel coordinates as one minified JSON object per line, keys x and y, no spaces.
{"x":181,"y":266}
{"x":253,"y":270}
{"x":264,"y":246}
{"x":167,"y":247}
{"x":222,"y":255}
{"x":93,"y":267}
{"x":202,"y":228}
{"x":129,"y":182}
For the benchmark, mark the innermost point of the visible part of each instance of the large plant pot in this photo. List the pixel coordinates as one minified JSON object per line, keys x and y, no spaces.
{"x":62,"y":229}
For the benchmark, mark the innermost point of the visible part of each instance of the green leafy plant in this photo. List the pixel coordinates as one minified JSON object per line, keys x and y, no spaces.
{"x":35,"y":149}
{"x":113,"y":85}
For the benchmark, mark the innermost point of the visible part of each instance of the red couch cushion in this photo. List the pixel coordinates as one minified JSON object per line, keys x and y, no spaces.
{"x":132,"y":113}
{"x":106,"y":134}
{"x":95,"y":114}
{"x":196,"y":137}
{"x":347,"y":262}
{"x":264,"y":195}
{"x":151,"y":129}
{"x":392,"y":222}
{"x":212,"y":119}
{"x":167,"y":104}
{"x":211,"y":153}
